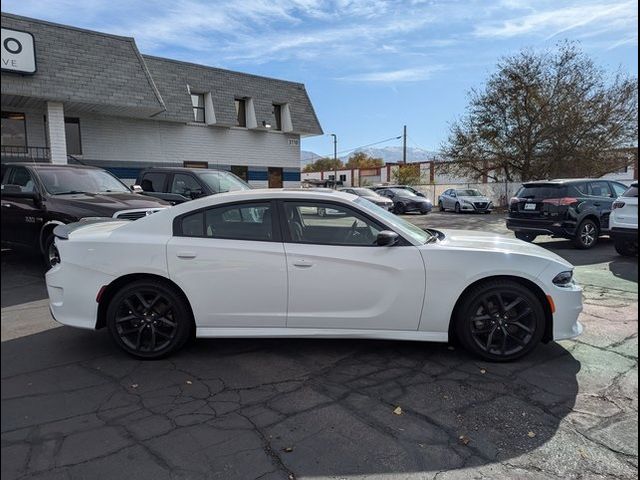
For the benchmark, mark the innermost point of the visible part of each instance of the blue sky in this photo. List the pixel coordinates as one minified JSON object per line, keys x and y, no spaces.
{"x":370,"y":66}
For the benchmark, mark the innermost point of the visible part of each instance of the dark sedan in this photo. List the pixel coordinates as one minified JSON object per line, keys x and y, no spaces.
{"x":370,"y":195}
{"x":405,"y":201}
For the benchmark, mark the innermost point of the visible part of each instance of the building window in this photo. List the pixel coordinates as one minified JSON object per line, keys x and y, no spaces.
{"x":72,"y":135}
{"x":240,"y":171}
{"x":277,"y":117}
{"x":241,"y":112}
{"x":343,"y":178}
{"x":14,"y":131}
{"x":197,"y":100}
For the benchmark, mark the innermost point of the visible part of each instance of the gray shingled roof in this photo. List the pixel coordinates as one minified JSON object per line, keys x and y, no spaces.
{"x":83,"y":68}
{"x":172,"y":78}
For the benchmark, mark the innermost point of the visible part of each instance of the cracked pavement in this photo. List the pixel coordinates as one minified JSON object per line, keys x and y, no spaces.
{"x":73,"y":406}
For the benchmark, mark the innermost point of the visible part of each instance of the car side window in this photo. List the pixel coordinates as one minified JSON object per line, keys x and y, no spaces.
{"x":247,"y":221}
{"x":186,"y":185}
{"x":618,"y":189}
{"x":599,"y":189}
{"x":20,"y":177}
{"x":329,"y":224}
{"x":153,"y":182}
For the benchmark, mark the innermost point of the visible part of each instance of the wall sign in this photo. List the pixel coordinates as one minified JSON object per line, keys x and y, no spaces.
{"x":294,"y":142}
{"x":18,"y":51}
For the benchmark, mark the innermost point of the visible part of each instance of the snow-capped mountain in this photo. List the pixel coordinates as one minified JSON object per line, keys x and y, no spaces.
{"x":388,"y":154}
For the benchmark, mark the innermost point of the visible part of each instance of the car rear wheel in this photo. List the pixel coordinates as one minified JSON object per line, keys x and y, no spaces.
{"x":441,"y":206}
{"x":457,"y":208}
{"x":500,"y":320}
{"x":626,"y":248}
{"x":149,"y":319}
{"x":527,"y":237}
{"x":587,"y":234}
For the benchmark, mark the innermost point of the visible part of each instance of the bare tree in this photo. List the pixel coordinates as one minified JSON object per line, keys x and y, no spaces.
{"x":544,"y":115}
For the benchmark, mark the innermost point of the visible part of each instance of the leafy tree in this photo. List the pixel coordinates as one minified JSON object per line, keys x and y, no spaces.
{"x":362,"y":160}
{"x":407,"y":174}
{"x":545,"y":115}
{"x":323,"y":165}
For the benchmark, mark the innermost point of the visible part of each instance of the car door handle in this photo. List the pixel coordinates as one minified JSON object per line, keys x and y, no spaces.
{"x":302,"y":264}
{"x":186,"y":255}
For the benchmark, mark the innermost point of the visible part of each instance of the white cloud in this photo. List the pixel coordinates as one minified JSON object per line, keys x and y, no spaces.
{"x":395,"y":76}
{"x":612,"y":16}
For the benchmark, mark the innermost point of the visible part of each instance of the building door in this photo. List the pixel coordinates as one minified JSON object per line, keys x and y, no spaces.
{"x":275,"y":178}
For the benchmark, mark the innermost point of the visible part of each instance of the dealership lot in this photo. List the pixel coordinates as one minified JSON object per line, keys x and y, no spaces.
{"x":73,"y":406}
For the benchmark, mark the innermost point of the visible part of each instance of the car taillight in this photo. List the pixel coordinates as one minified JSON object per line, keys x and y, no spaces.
{"x":560,"y":201}
{"x":617,"y":205}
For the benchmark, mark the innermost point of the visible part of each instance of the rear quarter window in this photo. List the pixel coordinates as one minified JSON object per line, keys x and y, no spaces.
{"x":543,"y":191}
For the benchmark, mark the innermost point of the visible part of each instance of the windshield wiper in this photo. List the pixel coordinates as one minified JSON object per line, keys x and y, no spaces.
{"x":72,"y":192}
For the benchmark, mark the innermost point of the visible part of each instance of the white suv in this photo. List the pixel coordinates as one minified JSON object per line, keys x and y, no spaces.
{"x":624,"y":222}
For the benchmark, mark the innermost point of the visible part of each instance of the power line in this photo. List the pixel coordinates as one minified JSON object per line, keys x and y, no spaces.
{"x":364,"y":146}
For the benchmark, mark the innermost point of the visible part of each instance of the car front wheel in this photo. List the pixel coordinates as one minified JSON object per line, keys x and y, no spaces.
{"x":51,"y":254}
{"x":149,"y":319}
{"x":500,"y":320}
{"x":441,"y":206}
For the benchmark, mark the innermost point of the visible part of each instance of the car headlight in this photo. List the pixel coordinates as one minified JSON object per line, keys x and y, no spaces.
{"x":563,"y":279}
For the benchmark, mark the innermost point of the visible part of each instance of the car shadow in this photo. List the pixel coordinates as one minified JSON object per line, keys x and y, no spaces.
{"x":242,"y":408}
{"x":22,"y":278}
{"x":625,"y":268}
{"x":603,"y":252}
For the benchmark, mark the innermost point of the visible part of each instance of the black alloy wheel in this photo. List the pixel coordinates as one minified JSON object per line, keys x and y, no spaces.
{"x":148,"y":319}
{"x":457,"y":207}
{"x":400,"y":208}
{"x":51,"y":254}
{"x":500,"y":321}
{"x":587,"y":234}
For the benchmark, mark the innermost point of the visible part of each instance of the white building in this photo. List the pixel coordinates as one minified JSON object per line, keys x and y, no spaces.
{"x":70,"y":94}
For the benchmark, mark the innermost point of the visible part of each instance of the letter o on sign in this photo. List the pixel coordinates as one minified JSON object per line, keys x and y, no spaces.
{"x":12,"y":45}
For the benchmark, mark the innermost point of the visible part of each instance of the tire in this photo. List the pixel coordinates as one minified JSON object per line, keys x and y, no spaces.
{"x":513,"y":326}
{"x":587,"y":234}
{"x":51,"y":256}
{"x":527,"y":237}
{"x":626,"y":248}
{"x":321,"y":212}
{"x":399,"y":209}
{"x":163,"y":317}
{"x":441,"y":206}
{"x":457,"y":207}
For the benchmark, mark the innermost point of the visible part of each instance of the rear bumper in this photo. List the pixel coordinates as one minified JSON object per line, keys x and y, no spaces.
{"x":541,"y":227}
{"x":627,"y":234}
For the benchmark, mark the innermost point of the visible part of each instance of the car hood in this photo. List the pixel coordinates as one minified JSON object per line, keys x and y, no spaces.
{"x":104,"y":204}
{"x":485,"y":241}
{"x":475,"y":199}
{"x":378,"y":199}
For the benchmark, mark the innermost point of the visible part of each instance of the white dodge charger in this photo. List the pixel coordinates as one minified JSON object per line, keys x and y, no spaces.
{"x":264,"y":263}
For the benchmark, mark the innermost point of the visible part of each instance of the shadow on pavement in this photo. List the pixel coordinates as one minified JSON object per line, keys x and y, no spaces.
{"x":22,"y":278}
{"x":73,"y":405}
{"x":626,"y":268}
{"x":603,"y":252}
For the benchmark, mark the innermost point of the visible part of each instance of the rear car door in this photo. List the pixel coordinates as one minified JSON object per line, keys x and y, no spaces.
{"x":600,"y":197}
{"x":339,"y":278}
{"x":22,"y":216}
{"x":230,"y":262}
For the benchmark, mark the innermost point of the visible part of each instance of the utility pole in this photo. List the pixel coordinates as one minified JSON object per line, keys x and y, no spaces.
{"x":335,"y":160}
{"x":404,"y":145}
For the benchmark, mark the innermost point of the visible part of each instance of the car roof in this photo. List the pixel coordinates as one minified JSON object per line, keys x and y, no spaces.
{"x":41,"y":166}
{"x":566,"y":181}
{"x":182,"y":169}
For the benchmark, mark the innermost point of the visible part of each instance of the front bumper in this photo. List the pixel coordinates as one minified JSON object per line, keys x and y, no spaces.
{"x":476,"y":207}
{"x":419,"y":207}
{"x":568,"y":303}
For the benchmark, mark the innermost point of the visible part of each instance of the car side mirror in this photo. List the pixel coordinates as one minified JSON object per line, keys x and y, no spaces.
{"x":387,"y":238}
{"x":137,"y":189}
{"x":16,"y":192}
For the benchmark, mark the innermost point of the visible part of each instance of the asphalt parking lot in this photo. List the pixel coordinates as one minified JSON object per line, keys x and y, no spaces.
{"x":73,"y":406}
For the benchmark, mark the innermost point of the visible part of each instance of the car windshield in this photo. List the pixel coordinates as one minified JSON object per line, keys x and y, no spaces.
{"x":468,"y":193}
{"x":220,"y":182}
{"x":58,"y":181}
{"x":395,"y":221}
{"x":364,"y":192}
{"x":403,"y":192}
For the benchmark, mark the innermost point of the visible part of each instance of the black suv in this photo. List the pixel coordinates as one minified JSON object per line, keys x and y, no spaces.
{"x":37,"y":197}
{"x":575,"y":209}
{"x":178,"y":185}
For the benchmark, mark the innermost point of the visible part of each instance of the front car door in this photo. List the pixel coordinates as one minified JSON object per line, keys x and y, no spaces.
{"x":22,"y":215}
{"x":230,"y":262}
{"x":340,"y":279}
